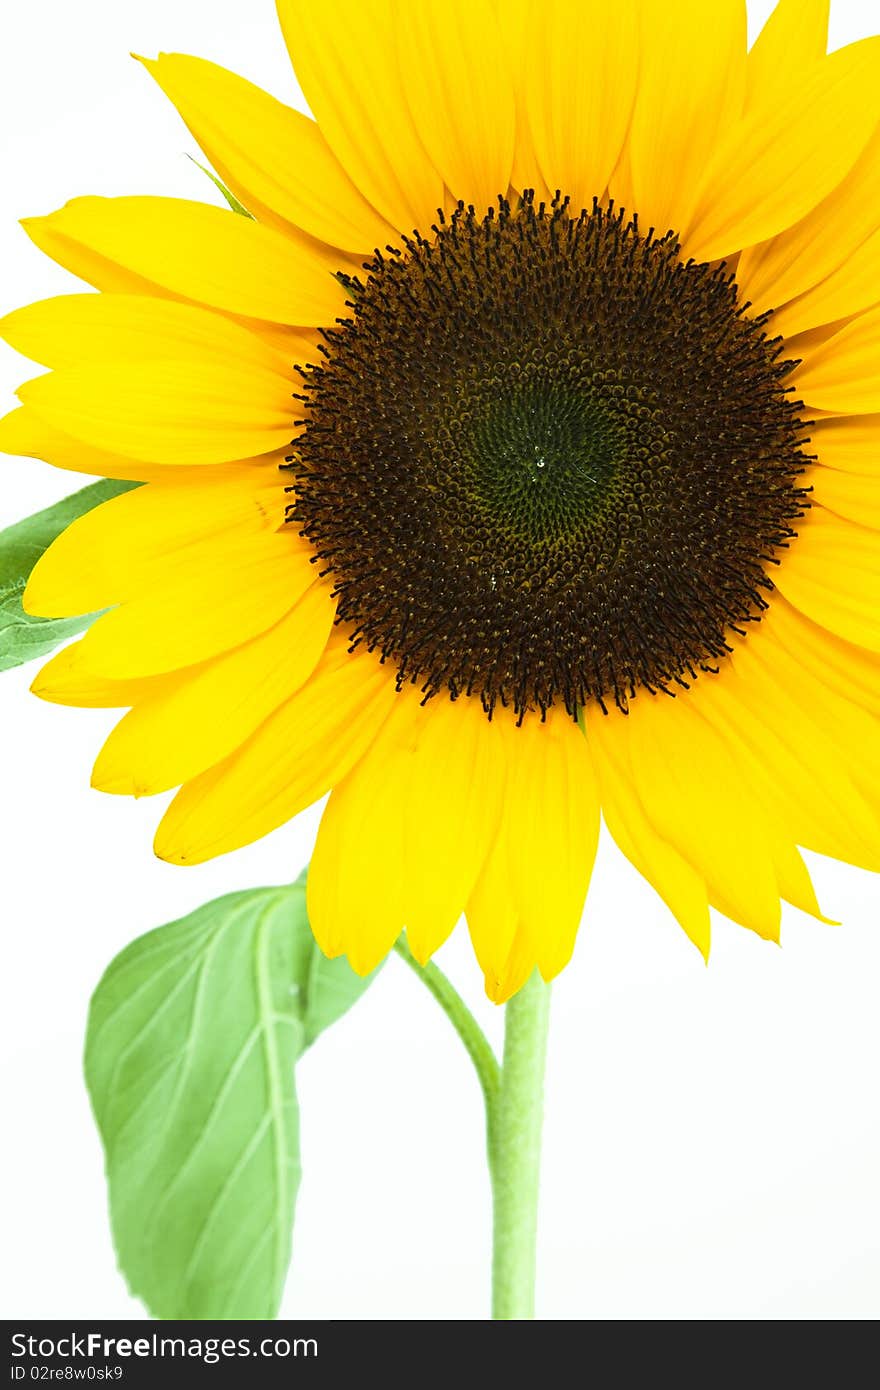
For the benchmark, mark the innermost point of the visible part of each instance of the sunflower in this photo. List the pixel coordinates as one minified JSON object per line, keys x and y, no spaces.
{"x":511,"y":463}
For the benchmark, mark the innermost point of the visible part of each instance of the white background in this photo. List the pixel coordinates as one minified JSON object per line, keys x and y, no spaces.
{"x":712,"y":1135}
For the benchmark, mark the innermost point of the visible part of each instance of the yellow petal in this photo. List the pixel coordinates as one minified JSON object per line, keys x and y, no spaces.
{"x":832,"y":574}
{"x":514,"y":18}
{"x":797,"y":769}
{"x":79,"y":328}
{"x":851,"y":671}
{"x":114,"y":551}
{"x":106,"y":275}
{"x":803,"y":345}
{"x":552,"y":829}
{"x":205,"y":715}
{"x":209,"y":599}
{"x":460,"y":94}
{"x":822,"y":261}
{"x":849,"y":443}
{"x":505,"y":953}
{"x":843,"y":373}
{"x":676,"y":881}
{"x":853,"y":287}
{"x":795,"y":884}
{"x":518,"y":967}
{"x":691,"y":86}
{"x":23,"y":432}
{"x":695,"y":797}
{"x":208,"y":254}
{"x":851,"y":731}
{"x":784,"y":157}
{"x":826,"y":796}
{"x":84,"y":262}
{"x":620,"y":183}
{"x":794,"y":37}
{"x":580,"y":93}
{"x":355,"y":891}
{"x":294,"y":344}
{"x":792,"y":792}
{"x":300,"y":752}
{"x":457,"y":786}
{"x":184,"y":411}
{"x":346,"y":59}
{"x":62,"y":681}
{"x":420,"y":809}
{"x":727,"y":708}
{"x":851,"y":495}
{"x":274,"y":159}
{"x":532,"y":894}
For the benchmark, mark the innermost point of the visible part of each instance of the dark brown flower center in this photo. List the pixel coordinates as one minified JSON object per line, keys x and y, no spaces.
{"x":545,"y":460}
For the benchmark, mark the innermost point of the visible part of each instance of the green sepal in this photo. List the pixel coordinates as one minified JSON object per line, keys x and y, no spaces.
{"x":227,"y":192}
{"x":193,"y":1035}
{"x":23,"y":637}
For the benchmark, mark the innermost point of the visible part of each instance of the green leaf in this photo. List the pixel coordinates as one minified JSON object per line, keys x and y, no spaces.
{"x":22,"y":637}
{"x":192,"y":1039}
{"x":227,"y":192}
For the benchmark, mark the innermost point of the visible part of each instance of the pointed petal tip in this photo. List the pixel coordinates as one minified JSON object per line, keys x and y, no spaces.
{"x":38,"y":219}
{"x":44,"y":690}
{"x":8,"y":423}
{"x":28,"y":389}
{"x":493,"y":989}
{"x":169,"y":854}
{"x":363,"y":957}
{"x":425,"y":936}
{"x":327,"y":952}
{"x":172,"y":849}
{"x":500,"y":989}
{"x":550,"y":969}
{"x":8,"y":324}
{"x":328,"y":943}
{"x":149,"y":63}
{"x":702,"y":946}
{"x":31,"y":225}
{"x":699,"y":936}
{"x":30,"y":602}
{"x":115,"y":781}
{"x":361,"y":965}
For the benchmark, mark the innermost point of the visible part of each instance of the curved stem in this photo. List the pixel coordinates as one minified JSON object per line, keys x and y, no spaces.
{"x":478,"y":1048}
{"x":515,"y":1151}
{"x":514,"y":1096}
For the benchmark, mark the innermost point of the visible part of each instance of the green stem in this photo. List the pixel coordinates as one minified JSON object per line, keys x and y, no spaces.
{"x":462,"y":1020}
{"x":514,"y":1096}
{"x":515,"y":1151}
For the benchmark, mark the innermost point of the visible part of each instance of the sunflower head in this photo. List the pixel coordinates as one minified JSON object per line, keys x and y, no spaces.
{"x":512,"y":462}
{"x":546,"y":460}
